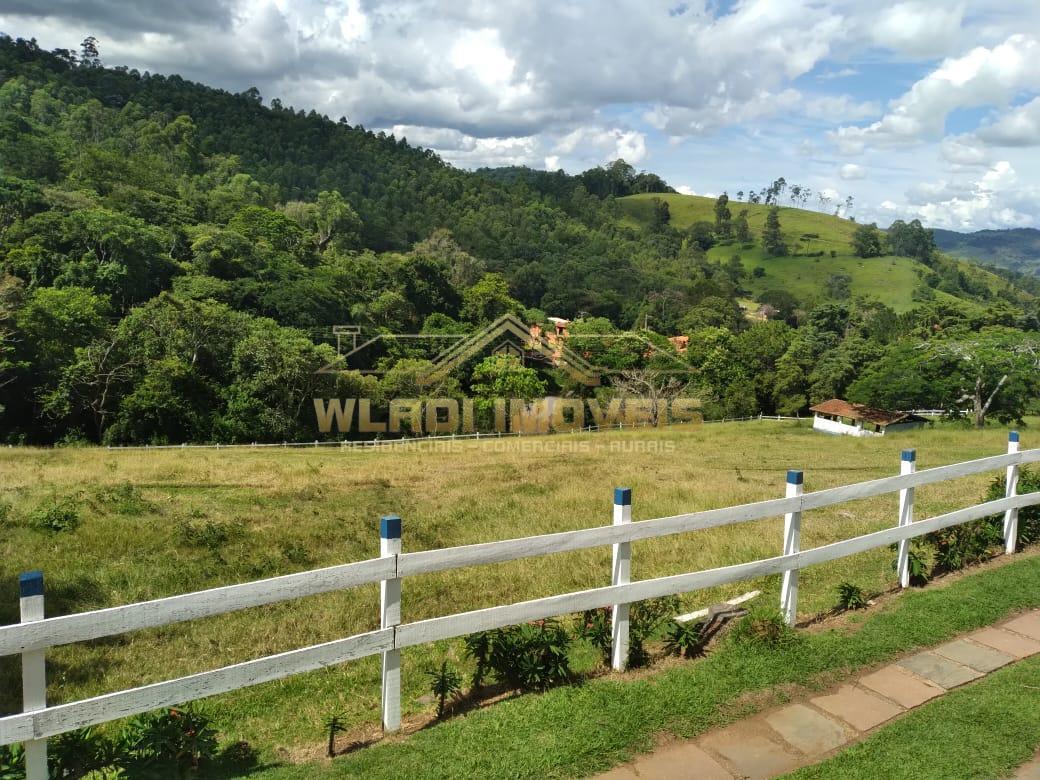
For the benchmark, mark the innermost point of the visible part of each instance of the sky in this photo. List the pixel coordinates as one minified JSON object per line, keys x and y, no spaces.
{"x":927,"y":110}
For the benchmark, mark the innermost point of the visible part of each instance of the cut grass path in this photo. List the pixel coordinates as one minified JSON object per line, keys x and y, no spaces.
{"x":581,"y":730}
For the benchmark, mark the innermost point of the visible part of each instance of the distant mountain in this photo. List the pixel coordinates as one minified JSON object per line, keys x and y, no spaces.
{"x":1017,"y":249}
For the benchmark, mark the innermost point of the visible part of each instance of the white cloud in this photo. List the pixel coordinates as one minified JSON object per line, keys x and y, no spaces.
{"x":992,"y":201}
{"x":964,"y":150}
{"x":849,"y":171}
{"x":685,"y":190}
{"x":979,"y":78}
{"x":1017,"y":127}
{"x":924,"y":29}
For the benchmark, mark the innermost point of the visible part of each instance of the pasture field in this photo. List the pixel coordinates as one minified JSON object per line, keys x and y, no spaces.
{"x":157,"y":523}
{"x":889,"y":279}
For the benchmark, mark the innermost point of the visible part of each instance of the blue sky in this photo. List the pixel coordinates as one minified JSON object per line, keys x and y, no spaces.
{"x":915,"y":108}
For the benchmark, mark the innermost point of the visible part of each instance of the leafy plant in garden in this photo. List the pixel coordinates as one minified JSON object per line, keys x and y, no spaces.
{"x":478,"y":647}
{"x":79,"y":753}
{"x":1028,"y":517}
{"x":334,"y":724}
{"x":850,"y":596}
{"x":963,"y":545}
{"x":532,"y":656}
{"x":173,"y":740}
{"x":917,"y":565}
{"x":594,"y":626}
{"x":12,"y":762}
{"x":645,"y":621}
{"x":445,"y":682}
{"x":684,"y":639}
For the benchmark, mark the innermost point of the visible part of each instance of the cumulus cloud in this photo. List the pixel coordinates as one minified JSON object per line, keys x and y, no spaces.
{"x":983,"y":76}
{"x":993,"y":200}
{"x":1017,"y":127}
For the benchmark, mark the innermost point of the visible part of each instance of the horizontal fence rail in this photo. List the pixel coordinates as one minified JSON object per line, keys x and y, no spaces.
{"x":34,"y":636}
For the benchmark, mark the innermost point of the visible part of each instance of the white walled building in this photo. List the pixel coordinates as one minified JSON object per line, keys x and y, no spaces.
{"x":841,"y":417}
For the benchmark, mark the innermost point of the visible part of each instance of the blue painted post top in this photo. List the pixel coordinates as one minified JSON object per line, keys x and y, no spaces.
{"x":623,"y":496}
{"x":1013,"y":436}
{"x":390,"y":527}
{"x":795,"y":477}
{"x":30,"y":584}
{"x":909,"y":455}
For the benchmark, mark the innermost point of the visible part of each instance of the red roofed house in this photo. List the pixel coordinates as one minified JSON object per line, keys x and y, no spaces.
{"x":841,"y":417}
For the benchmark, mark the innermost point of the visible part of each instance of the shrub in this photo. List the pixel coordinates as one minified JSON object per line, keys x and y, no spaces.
{"x":445,"y":682}
{"x":1028,"y":517}
{"x":684,"y":639}
{"x":166,"y":742}
{"x":850,"y":596}
{"x":532,"y":656}
{"x":55,"y":518}
{"x":79,"y":753}
{"x":963,"y":545}
{"x":644,"y":622}
{"x":917,"y":566}
{"x":594,"y":626}
{"x":12,"y":762}
{"x":762,"y":628}
{"x":478,"y":647}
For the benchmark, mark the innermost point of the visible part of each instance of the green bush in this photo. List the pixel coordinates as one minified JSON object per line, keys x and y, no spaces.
{"x":478,"y":647}
{"x":645,"y":622}
{"x":594,"y":626}
{"x":850,"y":596}
{"x":1028,"y":517}
{"x":12,"y":762}
{"x":764,"y":628}
{"x":685,"y":639}
{"x":55,"y":518}
{"x":167,"y":742}
{"x":533,"y":656}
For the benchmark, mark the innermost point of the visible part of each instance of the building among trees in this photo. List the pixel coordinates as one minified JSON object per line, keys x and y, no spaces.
{"x":841,"y":417}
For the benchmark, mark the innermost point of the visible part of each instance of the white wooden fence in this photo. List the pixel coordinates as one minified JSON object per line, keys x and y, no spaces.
{"x":35,"y":634}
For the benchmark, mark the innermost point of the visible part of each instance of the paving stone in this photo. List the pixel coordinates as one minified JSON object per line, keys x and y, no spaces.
{"x":1028,"y":624}
{"x":900,"y":686}
{"x":1006,"y":642}
{"x":941,"y":671}
{"x":978,"y":657}
{"x":753,"y":756}
{"x":684,"y":760}
{"x":808,"y":730}
{"x":859,"y":708}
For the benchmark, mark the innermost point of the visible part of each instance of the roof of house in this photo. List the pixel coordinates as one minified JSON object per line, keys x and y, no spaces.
{"x":880,"y":417}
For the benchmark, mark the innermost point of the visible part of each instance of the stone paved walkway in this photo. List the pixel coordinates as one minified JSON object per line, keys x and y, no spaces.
{"x":776,"y":742}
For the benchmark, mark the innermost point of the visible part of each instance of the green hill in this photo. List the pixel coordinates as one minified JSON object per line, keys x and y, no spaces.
{"x":1017,"y":249}
{"x":821,"y":246}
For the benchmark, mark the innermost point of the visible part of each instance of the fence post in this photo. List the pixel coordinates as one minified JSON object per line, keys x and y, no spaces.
{"x":34,"y":671}
{"x":621,"y":574}
{"x":907,"y":465}
{"x":1011,"y":489}
{"x":390,"y":615}
{"x":792,"y":540}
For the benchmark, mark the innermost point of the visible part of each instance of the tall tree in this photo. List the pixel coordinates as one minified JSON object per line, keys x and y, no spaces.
{"x":772,"y":238}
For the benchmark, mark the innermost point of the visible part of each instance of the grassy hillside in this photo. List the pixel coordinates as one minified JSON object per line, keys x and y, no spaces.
{"x":888,"y":279}
{"x":164,"y":522}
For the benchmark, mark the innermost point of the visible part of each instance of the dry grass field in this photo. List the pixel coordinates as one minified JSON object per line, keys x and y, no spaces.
{"x":164,"y":522}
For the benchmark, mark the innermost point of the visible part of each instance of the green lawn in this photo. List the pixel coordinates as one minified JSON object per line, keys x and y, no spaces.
{"x":984,"y":730}
{"x":578,"y":731}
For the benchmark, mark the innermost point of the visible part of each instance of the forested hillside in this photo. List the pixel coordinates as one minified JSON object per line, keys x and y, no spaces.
{"x":1017,"y":249}
{"x":174,"y":257}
